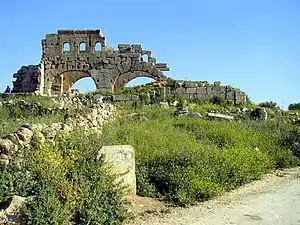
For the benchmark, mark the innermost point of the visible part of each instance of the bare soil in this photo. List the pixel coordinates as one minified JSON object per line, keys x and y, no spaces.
{"x":275,"y":199}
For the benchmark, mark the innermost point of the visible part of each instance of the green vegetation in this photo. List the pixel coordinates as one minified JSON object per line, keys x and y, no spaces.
{"x":295,"y":106}
{"x":18,"y":110}
{"x":187,"y":160}
{"x":68,"y":184}
{"x":178,"y":159}
{"x":270,"y":104}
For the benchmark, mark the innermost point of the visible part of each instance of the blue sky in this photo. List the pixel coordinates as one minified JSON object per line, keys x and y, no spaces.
{"x":250,"y":44}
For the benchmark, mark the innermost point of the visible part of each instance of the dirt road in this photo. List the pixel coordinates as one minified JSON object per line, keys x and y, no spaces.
{"x":274,"y":200}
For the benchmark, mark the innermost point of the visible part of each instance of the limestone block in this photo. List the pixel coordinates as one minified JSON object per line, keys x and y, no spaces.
{"x":209,"y":90}
{"x":201,"y":95}
{"x":25,"y":134}
{"x":220,"y":116}
{"x":126,"y":66}
{"x":122,"y":160}
{"x":191,"y":84}
{"x":230,"y":95}
{"x":201,"y":90}
{"x":12,"y":209}
{"x":179,"y":90}
{"x":6,"y":146}
{"x":190,"y":90}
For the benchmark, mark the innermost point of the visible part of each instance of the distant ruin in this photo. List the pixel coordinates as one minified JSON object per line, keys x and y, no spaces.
{"x":71,"y":55}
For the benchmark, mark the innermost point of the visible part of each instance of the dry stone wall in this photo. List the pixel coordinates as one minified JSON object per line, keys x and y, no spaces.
{"x":91,"y":121}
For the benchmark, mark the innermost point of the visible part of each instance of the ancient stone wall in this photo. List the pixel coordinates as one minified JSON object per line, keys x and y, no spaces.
{"x":95,"y":115}
{"x":27,"y":79}
{"x":71,"y":55}
{"x":204,"y":90}
{"x":189,"y":90}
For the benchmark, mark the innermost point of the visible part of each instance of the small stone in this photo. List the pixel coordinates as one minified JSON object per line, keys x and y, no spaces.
{"x":6,"y":146}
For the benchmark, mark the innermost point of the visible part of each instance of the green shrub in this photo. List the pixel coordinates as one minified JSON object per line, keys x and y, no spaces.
{"x":293,"y":139}
{"x":270,"y":104}
{"x":295,"y":106}
{"x":46,"y":208}
{"x":186,"y":160}
{"x":68,"y":181}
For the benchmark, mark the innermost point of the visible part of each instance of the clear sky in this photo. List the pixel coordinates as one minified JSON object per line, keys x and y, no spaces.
{"x":250,"y":44}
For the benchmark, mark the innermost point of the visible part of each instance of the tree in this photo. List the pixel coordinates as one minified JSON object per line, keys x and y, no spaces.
{"x":294,"y":106}
{"x":270,"y":104}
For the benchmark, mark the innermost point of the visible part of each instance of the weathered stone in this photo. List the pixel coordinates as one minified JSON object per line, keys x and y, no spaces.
{"x":122,"y":160}
{"x":24,"y":134}
{"x":4,"y":159}
{"x":61,"y":65}
{"x":201,"y":90}
{"x":259,"y":113}
{"x":190,"y":90}
{"x":12,"y":209}
{"x":181,"y":111}
{"x":190,"y":84}
{"x":164,"y":105}
{"x":6,"y":146}
{"x":194,"y":115}
{"x":220,"y":116}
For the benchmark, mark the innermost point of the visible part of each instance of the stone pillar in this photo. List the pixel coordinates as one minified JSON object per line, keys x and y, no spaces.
{"x":122,"y":160}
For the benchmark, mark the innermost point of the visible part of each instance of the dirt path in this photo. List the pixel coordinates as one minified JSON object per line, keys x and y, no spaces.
{"x":274,"y":200}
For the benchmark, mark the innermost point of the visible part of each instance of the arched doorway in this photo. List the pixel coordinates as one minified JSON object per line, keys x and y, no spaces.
{"x":73,"y":79}
{"x":85,"y":85}
{"x":139,"y":81}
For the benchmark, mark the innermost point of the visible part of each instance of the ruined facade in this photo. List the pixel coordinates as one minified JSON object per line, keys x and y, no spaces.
{"x":71,"y":55}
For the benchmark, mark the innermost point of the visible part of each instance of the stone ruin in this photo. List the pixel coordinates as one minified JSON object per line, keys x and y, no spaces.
{"x":204,"y":90}
{"x":71,"y":55}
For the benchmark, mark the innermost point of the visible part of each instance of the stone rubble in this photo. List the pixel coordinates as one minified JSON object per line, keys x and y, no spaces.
{"x":91,"y":121}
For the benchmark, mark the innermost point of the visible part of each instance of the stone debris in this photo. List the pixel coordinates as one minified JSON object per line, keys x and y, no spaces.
{"x":181,"y":111}
{"x":11,"y":209}
{"x":220,"y":116}
{"x":95,"y":115}
{"x":259,"y":113}
{"x":164,"y":105}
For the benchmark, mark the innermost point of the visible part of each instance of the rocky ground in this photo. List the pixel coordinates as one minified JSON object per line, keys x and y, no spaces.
{"x":275,"y":199}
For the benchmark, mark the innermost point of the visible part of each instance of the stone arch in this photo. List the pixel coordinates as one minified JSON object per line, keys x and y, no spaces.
{"x":63,"y":80}
{"x":98,"y":46}
{"x":140,"y":69}
{"x":69,"y":77}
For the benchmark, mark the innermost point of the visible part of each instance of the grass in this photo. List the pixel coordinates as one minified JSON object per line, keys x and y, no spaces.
{"x":178,"y":159}
{"x":70,"y":186}
{"x":187,"y":160}
{"x":12,"y":116}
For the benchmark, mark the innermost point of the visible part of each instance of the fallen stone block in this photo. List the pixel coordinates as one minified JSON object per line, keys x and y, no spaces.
{"x":11,"y":209}
{"x":220,"y":116}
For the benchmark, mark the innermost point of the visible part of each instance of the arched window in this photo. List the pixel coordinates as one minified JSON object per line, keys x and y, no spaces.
{"x":98,"y":47}
{"x":145,"y":58}
{"x":66,"y":47}
{"x":82,"y":47}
